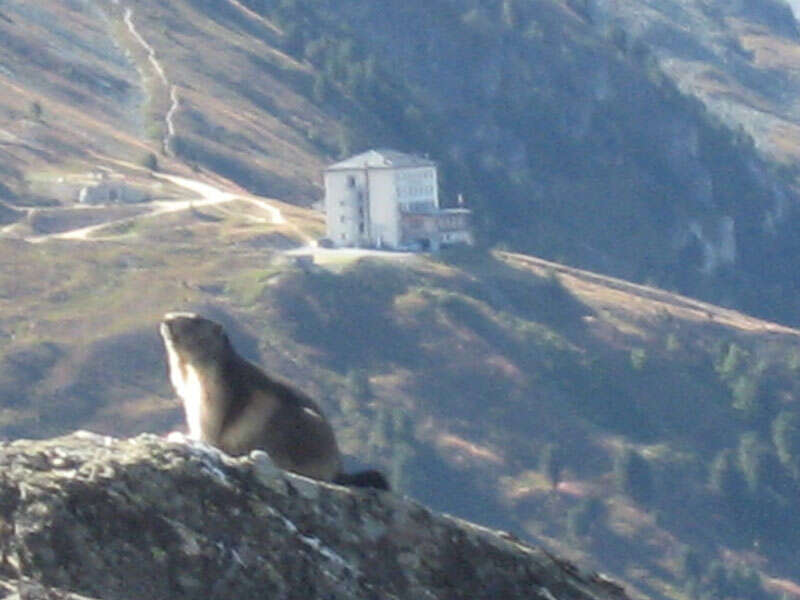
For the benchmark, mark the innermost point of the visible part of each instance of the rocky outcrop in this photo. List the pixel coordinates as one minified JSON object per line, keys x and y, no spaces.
{"x":90,"y":516}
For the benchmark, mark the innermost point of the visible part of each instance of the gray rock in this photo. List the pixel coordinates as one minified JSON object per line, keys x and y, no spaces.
{"x":87,"y":516}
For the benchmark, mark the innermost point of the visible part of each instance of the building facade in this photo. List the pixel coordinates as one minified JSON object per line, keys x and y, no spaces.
{"x":388,"y":199}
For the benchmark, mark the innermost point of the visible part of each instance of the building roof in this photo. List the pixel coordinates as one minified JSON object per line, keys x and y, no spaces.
{"x":381,"y":159}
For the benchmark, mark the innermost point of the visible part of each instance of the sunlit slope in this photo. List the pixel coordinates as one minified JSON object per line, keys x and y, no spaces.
{"x":87,"y":80}
{"x":569,"y":140}
{"x":499,"y":387}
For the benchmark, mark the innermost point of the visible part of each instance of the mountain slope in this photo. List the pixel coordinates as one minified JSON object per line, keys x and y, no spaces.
{"x":645,"y":433}
{"x":738,"y":57}
{"x":567,"y":139}
{"x":570,"y":141}
{"x":602,"y":419}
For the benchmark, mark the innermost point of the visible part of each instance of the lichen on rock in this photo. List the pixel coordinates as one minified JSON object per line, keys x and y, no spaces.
{"x":90,"y":516}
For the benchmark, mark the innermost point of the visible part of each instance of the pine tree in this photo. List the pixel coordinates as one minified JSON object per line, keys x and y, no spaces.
{"x":633,"y":476}
{"x":786,"y":437}
{"x":36,"y":110}
{"x":690,"y":566}
{"x":585,"y":518}
{"x":753,"y":460}
{"x":150,"y":161}
{"x":725,"y":478}
{"x":550,"y":462}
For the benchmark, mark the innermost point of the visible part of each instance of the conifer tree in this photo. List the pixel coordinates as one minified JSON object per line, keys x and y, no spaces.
{"x":786,"y":437}
{"x":550,"y":462}
{"x":633,"y":476}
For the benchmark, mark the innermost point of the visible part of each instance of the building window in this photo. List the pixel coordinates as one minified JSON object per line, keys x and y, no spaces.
{"x":361,"y":228}
{"x":351,"y":181}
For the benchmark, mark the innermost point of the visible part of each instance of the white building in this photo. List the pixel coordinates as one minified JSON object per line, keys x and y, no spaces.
{"x":97,"y":188}
{"x":388,"y":199}
{"x":111,"y":192}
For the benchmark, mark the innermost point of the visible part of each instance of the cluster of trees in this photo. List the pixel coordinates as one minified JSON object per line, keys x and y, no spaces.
{"x":347,"y":76}
{"x":390,"y":435}
{"x":758,"y":479}
{"x":587,"y":518}
{"x":633,"y":476}
{"x":741,"y":373}
{"x":718,"y":580}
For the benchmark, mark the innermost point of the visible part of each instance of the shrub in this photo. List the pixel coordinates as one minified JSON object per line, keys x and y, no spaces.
{"x":633,"y":476}
{"x":638,"y":358}
{"x":786,"y":437}
{"x":731,"y":362}
{"x":149,"y":161}
{"x":550,"y":462}
{"x":36,"y":110}
{"x":745,"y":390}
{"x":358,"y":385}
{"x":585,"y":518}
{"x":725,"y":478}
{"x":690,"y":566}
{"x":751,"y":460}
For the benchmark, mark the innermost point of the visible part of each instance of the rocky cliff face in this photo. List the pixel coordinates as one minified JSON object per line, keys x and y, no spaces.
{"x":88,"y":516}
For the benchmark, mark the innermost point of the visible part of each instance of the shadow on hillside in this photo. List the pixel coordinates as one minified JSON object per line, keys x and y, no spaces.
{"x":353,"y":319}
{"x":21,"y":370}
{"x":50,"y":390}
{"x":542,"y":300}
{"x":348,"y":317}
{"x":111,"y":371}
{"x":234,"y":165}
{"x":447,"y":489}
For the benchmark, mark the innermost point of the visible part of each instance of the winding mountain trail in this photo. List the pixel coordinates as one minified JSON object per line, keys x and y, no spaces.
{"x":169,"y":119}
{"x":209,"y":195}
{"x":169,"y":89}
{"x":151,"y":53}
{"x":213,"y":195}
{"x":157,"y":208}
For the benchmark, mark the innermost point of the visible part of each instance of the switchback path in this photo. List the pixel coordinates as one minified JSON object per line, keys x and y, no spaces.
{"x":170,"y":89}
{"x":207,"y":195}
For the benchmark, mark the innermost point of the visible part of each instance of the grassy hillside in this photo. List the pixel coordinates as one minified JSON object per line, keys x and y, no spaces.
{"x":630,"y":428}
{"x":584,"y":412}
{"x":648,"y":434}
{"x":565,"y":135}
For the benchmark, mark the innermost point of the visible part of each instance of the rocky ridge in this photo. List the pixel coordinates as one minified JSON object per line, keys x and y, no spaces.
{"x":96,"y":517}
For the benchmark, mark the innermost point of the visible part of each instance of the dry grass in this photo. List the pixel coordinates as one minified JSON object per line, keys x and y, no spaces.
{"x":634,"y":306}
{"x":783,"y":586}
{"x":228,"y":99}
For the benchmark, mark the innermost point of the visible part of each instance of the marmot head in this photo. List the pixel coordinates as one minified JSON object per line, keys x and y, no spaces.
{"x":194,"y":338}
